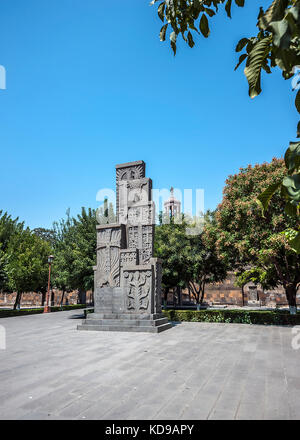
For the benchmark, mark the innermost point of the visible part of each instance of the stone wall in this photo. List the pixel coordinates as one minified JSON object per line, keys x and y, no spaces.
{"x":33,"y":299}
{"x":226,"y":293}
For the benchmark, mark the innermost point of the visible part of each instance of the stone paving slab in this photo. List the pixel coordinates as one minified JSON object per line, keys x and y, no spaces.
{"x":50,"y":370}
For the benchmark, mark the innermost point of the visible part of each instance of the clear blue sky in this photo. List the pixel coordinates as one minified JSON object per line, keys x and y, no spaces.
{"x":90,"y":85}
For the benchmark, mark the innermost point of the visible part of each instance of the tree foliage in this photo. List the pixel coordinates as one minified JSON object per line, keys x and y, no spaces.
{"x":170,"y":244}
{"x":8,"y":228}
{"x":185,"y":17}
{"x":75,"y":251}
{"x":3,"y":271}
{"x":61,"y":266}
{"x":84,"y":249}
{"x":27,"y":267}
{"x":188,"y":260}
{"x":46,"y":234}
{"x":204,"y":266}
{"x":245,"y":238}
{"x":23,"y":255}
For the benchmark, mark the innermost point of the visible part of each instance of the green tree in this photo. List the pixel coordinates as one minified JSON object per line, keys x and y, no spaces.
{"x":8,"y":228}
{"x":3,"y":271}
{"x":84,"y":251}
{"x":245,"y":238}
{"x":185,"y":17}
{"x":75,"y":253}
{"x":46,"y":234}
{"x":203,"y":263}
{"x":188,"y":260}
{"x":27,"y":266}
{"x":170,"y":244}
{"x":63,"y":257}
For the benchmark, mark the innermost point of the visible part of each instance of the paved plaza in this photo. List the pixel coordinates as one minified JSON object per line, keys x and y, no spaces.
{"x":50,"y":370}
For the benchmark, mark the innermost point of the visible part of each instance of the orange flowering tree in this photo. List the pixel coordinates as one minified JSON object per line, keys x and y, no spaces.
{"x":245,"y":238}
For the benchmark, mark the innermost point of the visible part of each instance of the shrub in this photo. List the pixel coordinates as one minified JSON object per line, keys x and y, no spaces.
{"x":264,"y":317}
{"x":7,"y":313}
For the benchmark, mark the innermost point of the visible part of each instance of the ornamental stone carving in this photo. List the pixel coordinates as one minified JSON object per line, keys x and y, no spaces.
{"x":139,"y":290}
{"x":127,"y":277}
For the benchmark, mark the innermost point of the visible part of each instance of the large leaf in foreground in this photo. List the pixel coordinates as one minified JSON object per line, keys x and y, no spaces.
{"x":274,"y":13}
{"x":292,"y":187}
{"x":292,"y":157}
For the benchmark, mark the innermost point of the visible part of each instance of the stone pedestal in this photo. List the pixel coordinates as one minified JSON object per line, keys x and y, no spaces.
{"x":127,"y":292}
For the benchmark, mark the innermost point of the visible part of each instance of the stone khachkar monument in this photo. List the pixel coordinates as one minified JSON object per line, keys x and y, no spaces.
{"x":127,"y":291}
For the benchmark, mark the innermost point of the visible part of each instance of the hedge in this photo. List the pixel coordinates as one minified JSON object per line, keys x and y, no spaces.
{"x":265,"y":317}
{"x":7,"y":313}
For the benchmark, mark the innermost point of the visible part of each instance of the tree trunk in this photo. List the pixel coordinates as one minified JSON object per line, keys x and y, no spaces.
{"x":43,"y":298}
{"x":52,"y":298}
{"x":196,"y":294}
{"x":179,"y":295}
{"x":202,"y":293}
{"x":17,"y":300}
{"x":62,"y":298}
{"x":243,"y":296}
{"x":166,"y":293}
{"x":198,"y":299}
{"x":174,"y":296}
{"x":291,"y":292}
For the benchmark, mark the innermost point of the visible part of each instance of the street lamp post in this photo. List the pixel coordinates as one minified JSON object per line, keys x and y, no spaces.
{"x":47,"y":308}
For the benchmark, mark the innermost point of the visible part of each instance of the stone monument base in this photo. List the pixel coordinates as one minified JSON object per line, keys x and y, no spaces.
{"x":154,"y":323}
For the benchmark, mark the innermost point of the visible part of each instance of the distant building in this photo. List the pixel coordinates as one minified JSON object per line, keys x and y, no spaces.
{"x":172,"y":206}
